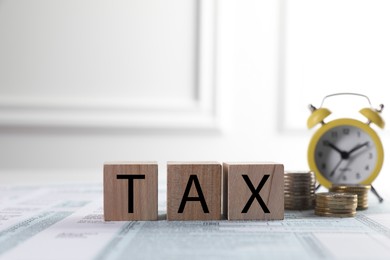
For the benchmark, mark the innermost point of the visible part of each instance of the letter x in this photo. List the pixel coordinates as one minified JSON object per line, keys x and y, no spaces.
{"x":255,"y":194}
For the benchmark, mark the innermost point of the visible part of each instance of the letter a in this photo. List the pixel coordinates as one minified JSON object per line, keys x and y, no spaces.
{"x":193,"y":179}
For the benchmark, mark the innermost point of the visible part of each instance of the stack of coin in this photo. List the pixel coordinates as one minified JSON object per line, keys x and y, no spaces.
{"x":330,"y":204}
{"x":299,"y":189}
{"x":359,"y":189}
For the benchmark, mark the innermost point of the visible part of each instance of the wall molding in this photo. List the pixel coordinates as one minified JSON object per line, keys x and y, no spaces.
{"x":127,"y":113}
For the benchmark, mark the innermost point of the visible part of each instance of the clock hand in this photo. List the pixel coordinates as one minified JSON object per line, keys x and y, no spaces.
{"x":343,"y":172}
{"x":327,"y":143}
{"x":357,"y":147}
{"x":350,"y":161}
{"x":344,"y":154}
{"x":335,"y":168}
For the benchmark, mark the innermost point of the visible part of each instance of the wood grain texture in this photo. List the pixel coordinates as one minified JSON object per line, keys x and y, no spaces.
{"x":116,"y":191}
{"x":209,"y":175}
{"x":236,"y":191}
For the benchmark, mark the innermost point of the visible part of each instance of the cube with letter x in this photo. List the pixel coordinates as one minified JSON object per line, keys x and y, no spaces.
{"x":130,"y":191}
{"x":194,"y":191}
{"x":253,"y":191}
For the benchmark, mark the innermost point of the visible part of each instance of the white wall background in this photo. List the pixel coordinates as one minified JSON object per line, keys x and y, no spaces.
{"x":83,"y":82}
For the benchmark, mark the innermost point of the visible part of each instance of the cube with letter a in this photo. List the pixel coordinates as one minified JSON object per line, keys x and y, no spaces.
{"x":130,"y":191}
{"x":194,"y":191}
{"x":253,"y":191}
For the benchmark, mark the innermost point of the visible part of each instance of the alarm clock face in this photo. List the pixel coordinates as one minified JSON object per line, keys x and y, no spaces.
{"x":346,"y":154}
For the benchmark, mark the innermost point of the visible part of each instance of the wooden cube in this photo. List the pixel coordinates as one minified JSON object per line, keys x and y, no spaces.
{"x":253,"y":191}
{"x":130,"y":191}
{"x":194,"y":191}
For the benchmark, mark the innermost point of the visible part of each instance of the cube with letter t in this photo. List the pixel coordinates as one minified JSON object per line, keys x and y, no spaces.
{"x":194,"y":191}
{"x":253,"y":191}
{"x":130,"y":191}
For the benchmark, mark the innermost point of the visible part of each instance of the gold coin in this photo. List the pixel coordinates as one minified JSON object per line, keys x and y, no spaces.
{"x":299,"y":179}
{"x":340,"y":206}
{"x":300,"y":182}
{"x":293,"y":183}
{"x":362,"y":197}
{"x":339,"y":200}
{"x":299,"y":194}
{"x":304,"y":205}
{"x":335,"y":203}
{"x":290,"y":202}
{"x":299,"y":189}
{"x":305,"y":188}
{"x":348,"y":215}
{"x":298,"y":200}
{"x":351,"y":186}
{"x":333,"y":195}
{"x":347,"y":207}
{"x":298,"y":204}
{"x":299,"y":208}
{"x":299,"y":175}
{"x":303,"y":199}
{"x":348,"y":191}
{"x":360,"y":194}
{"x":299,"y":172}
{"x":334,"y":210}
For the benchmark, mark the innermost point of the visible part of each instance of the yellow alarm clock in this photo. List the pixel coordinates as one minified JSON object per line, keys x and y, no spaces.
{"x":345,"y":150}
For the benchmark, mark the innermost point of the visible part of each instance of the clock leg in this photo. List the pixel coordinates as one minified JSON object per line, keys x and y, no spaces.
{"x":376,"y":194}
